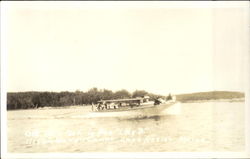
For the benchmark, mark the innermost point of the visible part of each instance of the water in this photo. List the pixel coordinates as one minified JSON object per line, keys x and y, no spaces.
{"x":194,"y":127}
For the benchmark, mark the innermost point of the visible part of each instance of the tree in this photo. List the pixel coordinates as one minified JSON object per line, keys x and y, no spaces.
{"x":26,"y":100}
{"x":122,"y":94}
{"x":139,"y":93}
{"x":107,"y":94}
{"x":36,"y":100}
{"x":169,"y":97}
{"x":93,"y":95}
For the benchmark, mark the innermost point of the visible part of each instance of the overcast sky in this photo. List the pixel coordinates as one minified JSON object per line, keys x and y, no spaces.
{"x":157,"y":49}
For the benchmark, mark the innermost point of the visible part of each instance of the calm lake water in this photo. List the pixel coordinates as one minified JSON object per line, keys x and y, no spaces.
{"x":197,"y":127}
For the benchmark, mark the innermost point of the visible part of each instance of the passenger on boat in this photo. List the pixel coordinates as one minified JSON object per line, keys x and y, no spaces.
{"x":92,"y":106}
{"x":99,"y":106}
{"x":112,"y":105}
{"x":116,"y":106}
{"x":108,"y":106}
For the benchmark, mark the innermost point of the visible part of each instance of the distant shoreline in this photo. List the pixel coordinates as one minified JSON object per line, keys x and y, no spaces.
{"x":211,"y":96}
{"x":216,"y":100}
{"x":84,"y":106}
{"x":39,"y":100}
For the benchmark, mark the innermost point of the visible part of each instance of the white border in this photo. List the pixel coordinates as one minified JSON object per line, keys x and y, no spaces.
{"x":126,"y":4}
{"x":247,"y":89}
{"x":122,"y":155}
{"x":115,"y":4}
{"x":3,"y":81}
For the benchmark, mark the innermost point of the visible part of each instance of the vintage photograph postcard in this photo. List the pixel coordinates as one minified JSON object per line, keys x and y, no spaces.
{"x":125,"y":79}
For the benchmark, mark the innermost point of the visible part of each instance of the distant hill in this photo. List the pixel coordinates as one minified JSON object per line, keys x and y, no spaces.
{"x":214,"y":95}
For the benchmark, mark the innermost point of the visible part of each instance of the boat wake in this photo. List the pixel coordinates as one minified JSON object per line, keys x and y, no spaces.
{"x":174,"y":109}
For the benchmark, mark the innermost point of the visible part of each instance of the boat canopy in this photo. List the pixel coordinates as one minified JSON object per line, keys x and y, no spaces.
{"x":121,"y":100}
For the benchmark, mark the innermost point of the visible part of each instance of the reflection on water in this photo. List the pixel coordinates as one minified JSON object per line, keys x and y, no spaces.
{"x":144,"y":118}
{"x":211,"y":126}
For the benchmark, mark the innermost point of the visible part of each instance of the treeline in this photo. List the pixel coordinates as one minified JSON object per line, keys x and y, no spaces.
{"x":27,"y":100}
{"x":215,"y":95}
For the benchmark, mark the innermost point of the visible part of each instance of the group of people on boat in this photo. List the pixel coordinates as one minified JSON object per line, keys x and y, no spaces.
{"x":102,"y":105}
{"x":127,"y":103}
{"x":105,"y":106}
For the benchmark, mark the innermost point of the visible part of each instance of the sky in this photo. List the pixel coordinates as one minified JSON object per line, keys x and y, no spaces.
{"x":158,"y":49}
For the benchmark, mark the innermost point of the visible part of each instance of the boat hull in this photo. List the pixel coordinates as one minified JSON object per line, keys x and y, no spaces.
{"x":141,"y":111}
